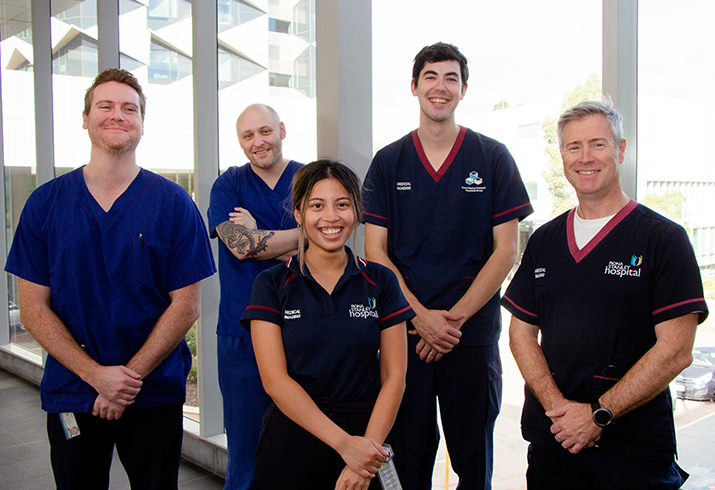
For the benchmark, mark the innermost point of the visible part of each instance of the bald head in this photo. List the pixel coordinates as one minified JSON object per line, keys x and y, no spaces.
{"x":260,"y":134}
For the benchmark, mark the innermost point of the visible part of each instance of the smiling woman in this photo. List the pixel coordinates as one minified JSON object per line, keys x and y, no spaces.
{"x":322,"y":317}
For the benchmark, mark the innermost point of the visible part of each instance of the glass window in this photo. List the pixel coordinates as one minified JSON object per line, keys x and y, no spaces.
{"x":166,"y":65}
{"x":279,"y":80}
{"x":675,"y":74}
{"x":162,"y":13}
{"x":18,"y":146}
{"x":278,"y":25}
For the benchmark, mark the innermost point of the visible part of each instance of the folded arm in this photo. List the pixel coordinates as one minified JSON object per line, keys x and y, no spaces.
{"x":240,"y":234}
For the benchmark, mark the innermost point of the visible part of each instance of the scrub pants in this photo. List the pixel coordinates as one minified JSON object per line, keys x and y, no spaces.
{"x":244,"y":403}
{"x":291,"y":458}
{"x":468,"y":383}
{"x":148,"y":443}
{"x":597,"y":468}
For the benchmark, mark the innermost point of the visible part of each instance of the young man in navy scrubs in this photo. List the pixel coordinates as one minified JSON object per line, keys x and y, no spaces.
{"x":261,"y":233}
{"x":442,"y":207}
{"x":615,"y":292}
{"x":109,"y":259}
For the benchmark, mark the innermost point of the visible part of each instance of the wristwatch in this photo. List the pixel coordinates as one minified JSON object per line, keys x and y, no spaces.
{"x":602,"y":416}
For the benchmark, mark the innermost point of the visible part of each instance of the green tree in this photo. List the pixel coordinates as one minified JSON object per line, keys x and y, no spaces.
{"x":562,"y":194}
{"x":670,"y":205}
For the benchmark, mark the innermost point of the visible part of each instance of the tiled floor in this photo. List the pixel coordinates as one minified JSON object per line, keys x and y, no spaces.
{"x":25,"y":452}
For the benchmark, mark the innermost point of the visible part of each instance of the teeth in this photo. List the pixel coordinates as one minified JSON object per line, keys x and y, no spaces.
{"x":589,"y":172}
{"x":330,"y":231}
{"x":439,"y":101}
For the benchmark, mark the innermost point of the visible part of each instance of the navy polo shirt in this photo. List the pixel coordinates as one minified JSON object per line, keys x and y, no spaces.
{"x":597,"y":308}
{"x":331,"y":341}
{"x":439,"y":223}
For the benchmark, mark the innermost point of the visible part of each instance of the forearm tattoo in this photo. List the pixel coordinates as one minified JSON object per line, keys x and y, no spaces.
{"x":245,"y":242}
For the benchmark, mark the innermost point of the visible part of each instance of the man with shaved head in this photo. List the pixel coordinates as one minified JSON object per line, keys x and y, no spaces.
{"x":250,"y":212}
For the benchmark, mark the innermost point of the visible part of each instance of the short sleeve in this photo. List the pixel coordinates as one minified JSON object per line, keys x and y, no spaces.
{"x":374,"y":192}
{"x":28,"y":257}
{"x":191,"y":258}
{"x":395,"y":308}
{"x":510,"y":197}
{"x":678,"y":287}
{"x":265,"y":303}
{"x":225,"y":196}
{"x":520,"y":297}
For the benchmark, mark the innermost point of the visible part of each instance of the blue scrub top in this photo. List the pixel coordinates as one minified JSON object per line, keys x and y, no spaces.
{"x":272,"y":210}
{"x":110,"y":274}
{"x":331,"y":340}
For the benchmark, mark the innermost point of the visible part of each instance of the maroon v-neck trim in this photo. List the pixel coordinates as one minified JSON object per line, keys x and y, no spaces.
{"x":579,"y":255}
{"x":436,"y":175}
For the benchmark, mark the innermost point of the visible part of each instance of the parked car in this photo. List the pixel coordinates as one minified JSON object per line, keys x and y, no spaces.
{"x":697,"y":382}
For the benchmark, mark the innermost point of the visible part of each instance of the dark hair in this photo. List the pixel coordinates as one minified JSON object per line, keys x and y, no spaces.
{"x":115,"y":75}
{"x":436,"y":53}
{"x":312,"y":173}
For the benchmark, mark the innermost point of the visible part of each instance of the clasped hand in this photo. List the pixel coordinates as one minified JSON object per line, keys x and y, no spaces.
{"x":438,"y":335}
{"x":117,"y":387}
{"x":573,"y":426}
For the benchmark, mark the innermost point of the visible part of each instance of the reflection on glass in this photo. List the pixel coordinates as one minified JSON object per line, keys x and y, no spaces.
{"x":18,"y":112}
{"x":676,"y":75}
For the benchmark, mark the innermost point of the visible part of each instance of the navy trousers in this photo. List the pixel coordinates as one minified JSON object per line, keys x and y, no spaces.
{"x":468,"y":383}
{"x":148,"y":443}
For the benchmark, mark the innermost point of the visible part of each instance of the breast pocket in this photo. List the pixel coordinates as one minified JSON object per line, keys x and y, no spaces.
{"x":149,"y":259}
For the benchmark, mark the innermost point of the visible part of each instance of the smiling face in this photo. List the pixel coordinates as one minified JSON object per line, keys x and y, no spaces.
{"x":439,"y":89}
{"x":114,"y":122}
{"x":592,"y":158}
{"x":261,"y":134}
{"x":329,"y":217}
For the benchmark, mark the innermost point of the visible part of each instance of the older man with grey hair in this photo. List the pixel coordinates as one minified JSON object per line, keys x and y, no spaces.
{"x":614,"y":291}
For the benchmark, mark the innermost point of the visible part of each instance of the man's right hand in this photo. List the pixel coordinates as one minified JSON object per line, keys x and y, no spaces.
{"x":116,"y":384}
{"x":438,"y":337}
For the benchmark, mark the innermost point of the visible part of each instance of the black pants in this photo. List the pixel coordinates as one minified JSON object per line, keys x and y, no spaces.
{"x":148,"y":443}
{"x":598,"y":468}
{"x":289,"y":457}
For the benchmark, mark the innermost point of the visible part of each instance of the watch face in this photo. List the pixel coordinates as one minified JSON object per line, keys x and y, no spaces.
{"x":602,"y":417}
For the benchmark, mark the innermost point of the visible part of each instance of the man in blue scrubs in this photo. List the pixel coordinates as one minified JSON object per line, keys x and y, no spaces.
{"x":604,"y":307}
{"x":262,"y":233}
{"x":442,"y":207}
{"x":109,"y":259}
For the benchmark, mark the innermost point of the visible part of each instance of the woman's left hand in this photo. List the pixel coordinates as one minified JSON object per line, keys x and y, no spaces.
{"x":349,"y":480}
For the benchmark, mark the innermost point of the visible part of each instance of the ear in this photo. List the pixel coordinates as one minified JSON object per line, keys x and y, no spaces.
{"x":464,"y":90}
{"x":283,"y":131}
{"x":622,"y":150}
{"x":296,"y":214}
{"x":413,"y":86}
{"x":84,"y":121}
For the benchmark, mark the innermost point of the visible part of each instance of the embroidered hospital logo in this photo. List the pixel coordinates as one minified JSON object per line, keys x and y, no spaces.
{"x":620,"y":269}
{"x":291,"y":314}
{"x":474,"y":183}
{"x":473,"y":179}
{"x":636,"y":260}
{"x":404,"y":186}
{"x":540,"y":272}
{"x":362,"y":311}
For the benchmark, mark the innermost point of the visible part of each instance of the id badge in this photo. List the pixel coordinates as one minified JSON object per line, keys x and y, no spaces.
{"x":69,"y":424}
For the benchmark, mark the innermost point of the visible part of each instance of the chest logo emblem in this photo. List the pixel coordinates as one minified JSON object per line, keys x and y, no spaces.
{"x":473,"y":179}
{"x":291,"y":314}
